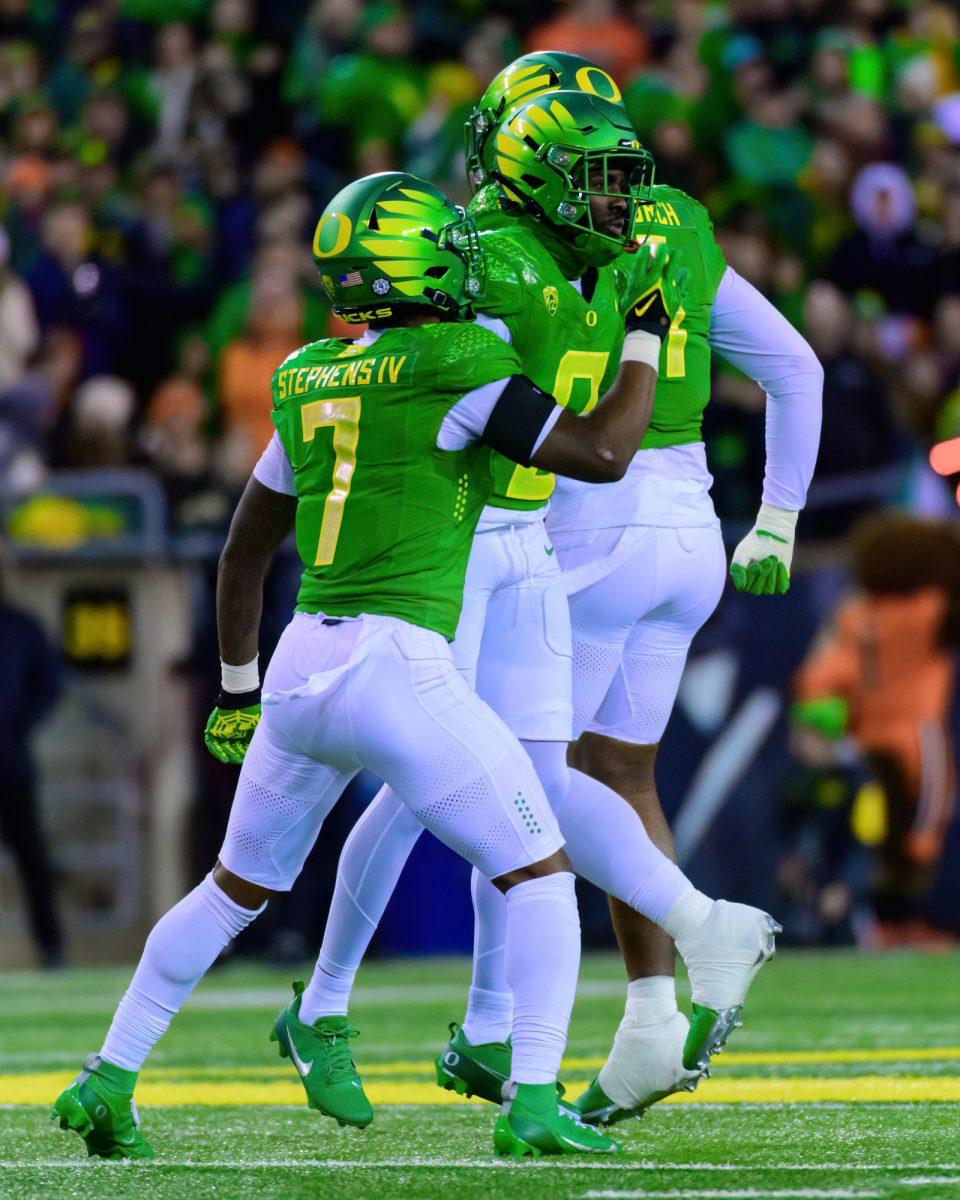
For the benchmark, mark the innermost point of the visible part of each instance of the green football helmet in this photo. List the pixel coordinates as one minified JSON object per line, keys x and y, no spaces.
{"x":527,"y":77}
{"x":545,"y":154}
{"x":391,"y":240}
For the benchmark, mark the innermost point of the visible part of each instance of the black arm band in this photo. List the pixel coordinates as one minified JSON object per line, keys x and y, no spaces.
{"x":518,"y":419}
{"x":230,"y":700}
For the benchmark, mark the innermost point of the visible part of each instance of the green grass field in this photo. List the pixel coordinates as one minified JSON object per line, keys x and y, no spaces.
{"x":843,"y":1083}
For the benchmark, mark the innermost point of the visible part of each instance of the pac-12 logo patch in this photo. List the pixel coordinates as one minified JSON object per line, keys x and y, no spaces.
{"x":551,"y":298}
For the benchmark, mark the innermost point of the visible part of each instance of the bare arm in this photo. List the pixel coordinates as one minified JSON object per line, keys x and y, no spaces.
{"x":599,"y":447}
{"x":262,"y":520}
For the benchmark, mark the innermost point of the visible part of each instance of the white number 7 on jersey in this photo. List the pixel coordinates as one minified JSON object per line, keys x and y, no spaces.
{"x":344,"y":417}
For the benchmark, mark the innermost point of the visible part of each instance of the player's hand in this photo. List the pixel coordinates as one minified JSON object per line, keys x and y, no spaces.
{"x":654,"y":289}
{"x":761,"y":563}
{"x":230,"y":726}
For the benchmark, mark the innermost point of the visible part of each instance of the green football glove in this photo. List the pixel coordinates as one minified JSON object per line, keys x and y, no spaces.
{"x":761,"y":563}
{"x":653,"y":287}
{"x":230,"y":726}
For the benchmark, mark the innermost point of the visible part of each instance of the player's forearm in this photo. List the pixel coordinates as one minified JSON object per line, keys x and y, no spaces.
{"x":793,"y":418}
{"x":617,"y":426}
{"x":239,"y":606}
{"x":598,"y":447}
{"x":262,"y":520}
{"x":749,"y":332}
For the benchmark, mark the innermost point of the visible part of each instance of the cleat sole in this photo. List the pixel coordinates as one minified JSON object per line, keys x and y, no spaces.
{"x":452,"y":1083}
{"x":72,"y":1115}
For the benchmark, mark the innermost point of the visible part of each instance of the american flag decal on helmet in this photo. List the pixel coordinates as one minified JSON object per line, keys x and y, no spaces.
{"x":351,"y":279}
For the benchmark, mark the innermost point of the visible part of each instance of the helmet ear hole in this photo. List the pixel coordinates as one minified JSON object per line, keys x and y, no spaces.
{"x":374,"y":222}
{"x":437,"y":272}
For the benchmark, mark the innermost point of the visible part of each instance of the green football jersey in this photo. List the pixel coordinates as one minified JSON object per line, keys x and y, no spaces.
{"x":568,"y":344}
{"x":683,"y":386}
{"x":385,"y":519}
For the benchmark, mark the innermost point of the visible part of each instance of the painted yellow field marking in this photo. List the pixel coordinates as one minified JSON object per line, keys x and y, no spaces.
{"x":163,"y":1089}
{"x":574,"y":1064}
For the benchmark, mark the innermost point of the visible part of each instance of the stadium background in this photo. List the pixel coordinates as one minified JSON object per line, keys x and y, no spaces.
{"x":162,"y":163}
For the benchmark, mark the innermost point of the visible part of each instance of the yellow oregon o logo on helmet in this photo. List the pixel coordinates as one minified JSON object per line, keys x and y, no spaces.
{"x":332,"y":234}
{"x":604,"y":87}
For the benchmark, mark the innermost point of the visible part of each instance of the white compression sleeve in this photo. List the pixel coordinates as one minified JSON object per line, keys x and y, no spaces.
{"x":750,"y":333}
{"x":489,"y":1014}
{"x":370,"y":864}
{"x":182,"y":947}
{"x":607,"y":844}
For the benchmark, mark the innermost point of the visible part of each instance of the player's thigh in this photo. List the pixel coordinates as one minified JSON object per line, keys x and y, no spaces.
{"x":448,"y":756}
{"x":603,"y":613}
{"x":281,"y":800}
{"x":484,"y":573}
{"x":690,"y":570}
{"x":525,"y":667}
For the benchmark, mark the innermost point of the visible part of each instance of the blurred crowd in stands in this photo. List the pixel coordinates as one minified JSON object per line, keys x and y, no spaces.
{"x":162,"y":163}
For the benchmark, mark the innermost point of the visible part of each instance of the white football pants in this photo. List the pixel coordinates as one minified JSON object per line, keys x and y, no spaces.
{"x":637,"y":598}
{"x":380,"y":693}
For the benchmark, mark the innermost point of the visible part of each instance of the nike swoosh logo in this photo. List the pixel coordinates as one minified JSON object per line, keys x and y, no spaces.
{"x":549,"y":549}
{"x":640,"y":311}
{"x":302,"y":1067}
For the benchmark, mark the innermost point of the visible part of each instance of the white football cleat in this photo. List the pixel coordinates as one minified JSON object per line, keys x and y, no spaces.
{"x":644,"y":1065}
{"x":722,"y":956}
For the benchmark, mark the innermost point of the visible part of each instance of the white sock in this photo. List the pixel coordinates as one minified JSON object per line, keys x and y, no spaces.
{"x":607,"y":844}
{"x":370,"y":864}
{"x":489,"y":1015}
{"x":651,"y":1001}
{"x":181,"y":948}
{"x":490,"y":1004}
{"x":543,"y":958}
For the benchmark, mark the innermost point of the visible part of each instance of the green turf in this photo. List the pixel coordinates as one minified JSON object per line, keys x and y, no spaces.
{"x":802,"y":1002}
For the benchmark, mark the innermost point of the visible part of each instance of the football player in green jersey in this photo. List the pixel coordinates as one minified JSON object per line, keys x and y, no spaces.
{"x":381,"y":463}
{"x":562,"y":165}
{"x":644,"y":562}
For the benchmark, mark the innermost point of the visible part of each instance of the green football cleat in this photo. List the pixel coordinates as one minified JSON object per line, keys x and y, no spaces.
{"x":532,"y":1123}
{"x":479,"y":1069}
{"x":99,"y":1105}
{"x":321,"y":1054}
{"x":473,"y":1070}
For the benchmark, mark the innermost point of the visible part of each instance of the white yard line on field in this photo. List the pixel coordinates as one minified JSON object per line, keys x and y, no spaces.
{"x":486,"y":1164}
{"x":741,"y":1194}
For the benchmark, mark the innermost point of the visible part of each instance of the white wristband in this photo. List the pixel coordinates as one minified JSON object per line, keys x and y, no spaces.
{"x":640,"y":346}
{"x":245,"y":678}
{"x":781,"y":521}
